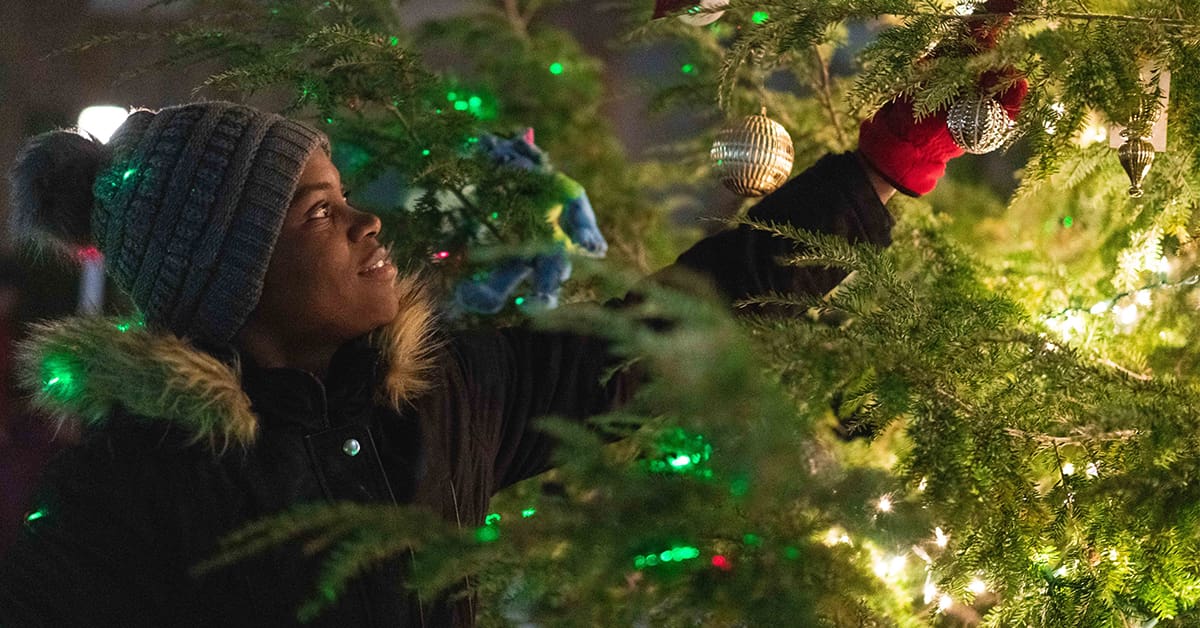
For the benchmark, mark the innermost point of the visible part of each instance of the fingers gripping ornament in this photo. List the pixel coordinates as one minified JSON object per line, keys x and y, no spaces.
{"x":574,"y":228}
{"x":753,"y":156}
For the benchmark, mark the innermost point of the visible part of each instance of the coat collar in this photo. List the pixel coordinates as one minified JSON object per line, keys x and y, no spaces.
{"x":86,"y":367}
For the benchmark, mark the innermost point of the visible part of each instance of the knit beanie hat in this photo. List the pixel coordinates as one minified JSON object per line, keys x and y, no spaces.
{"x":185,"y":203}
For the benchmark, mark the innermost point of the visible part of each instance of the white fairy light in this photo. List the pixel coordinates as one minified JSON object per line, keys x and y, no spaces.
{"x":884,"y":504}
{"x":1126,"y":314}
{"x":101,"y":121}
{"x":931,"y":590}
{"x":1066,"y":325}
{"x":1068,"y":468}
{"x":944,"y":603}
{"x":940,"y":537}
{"x":1100,"y":307}
{"x":1051,"y":126}
{"x":965,"y":7}
{"x":836,"y":535}
{"x":924,"y":483}
{"x":1094,"y":132}
{"x":1091,"y":471}
{"x":888,"y":569}
{"x":977,"y":586}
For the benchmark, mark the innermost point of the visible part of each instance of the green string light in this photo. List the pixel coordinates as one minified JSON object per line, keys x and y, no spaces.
{"x":492,"y":518}
{"x":461,"y":105}
{"x":676,"y":554}
{"x":528,"y":512}
{"x":128,"y":173}
{"x":760,"y":17}
{"x":35,"y":515}
{"x":556,"y":68}
{"x":487,"y":534}
{"x":58,"y":378}
{"x":682,"y":453}
{"x":687,"y":68}
{"x":425,"y":152}
{"x":394,"y":41}
{"x":1067,"y":221}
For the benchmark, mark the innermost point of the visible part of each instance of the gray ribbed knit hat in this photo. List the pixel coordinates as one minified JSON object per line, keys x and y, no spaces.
{"x":185,"y":203}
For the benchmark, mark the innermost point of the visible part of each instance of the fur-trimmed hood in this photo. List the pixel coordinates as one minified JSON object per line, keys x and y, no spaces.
{"x":84,"y":367}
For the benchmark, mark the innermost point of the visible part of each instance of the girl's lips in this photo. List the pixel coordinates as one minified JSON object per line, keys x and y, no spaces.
{"x":387,"y":270}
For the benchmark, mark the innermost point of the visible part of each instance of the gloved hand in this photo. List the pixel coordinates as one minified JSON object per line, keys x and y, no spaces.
{"x":912,"y":155}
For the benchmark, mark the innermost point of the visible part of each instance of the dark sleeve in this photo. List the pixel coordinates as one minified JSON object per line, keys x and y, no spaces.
{"x":90,"y":556}
{"x":512,"y":377}
{"x":535,"y":374}
{"x":834,"y":196}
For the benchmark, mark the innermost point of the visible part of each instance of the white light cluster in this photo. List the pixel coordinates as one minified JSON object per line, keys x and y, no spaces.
{"x":101,"y":121}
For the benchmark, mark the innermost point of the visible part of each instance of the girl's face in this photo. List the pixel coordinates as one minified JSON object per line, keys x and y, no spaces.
{"x":329,"y":278}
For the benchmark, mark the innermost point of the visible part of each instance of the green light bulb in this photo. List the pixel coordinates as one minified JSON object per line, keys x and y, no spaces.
{"x":760,"y":17}
{"x":556,"y":68}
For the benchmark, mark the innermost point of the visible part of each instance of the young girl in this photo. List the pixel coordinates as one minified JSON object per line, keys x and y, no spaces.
{"x":284,"y":359}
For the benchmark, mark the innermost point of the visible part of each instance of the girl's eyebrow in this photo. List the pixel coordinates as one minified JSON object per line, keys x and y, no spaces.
{"x":311,"y":187}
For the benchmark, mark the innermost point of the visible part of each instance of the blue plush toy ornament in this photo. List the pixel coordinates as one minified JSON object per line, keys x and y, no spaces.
{"x":574,"y":228}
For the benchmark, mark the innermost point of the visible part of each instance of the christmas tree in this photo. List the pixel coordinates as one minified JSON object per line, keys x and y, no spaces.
{"x":989,"y":423}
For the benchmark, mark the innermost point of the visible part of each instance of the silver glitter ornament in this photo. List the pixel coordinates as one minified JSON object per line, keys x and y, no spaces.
{"x":1136,"y":155}
{"x":753,"y":156}
{"x":978,"y":124}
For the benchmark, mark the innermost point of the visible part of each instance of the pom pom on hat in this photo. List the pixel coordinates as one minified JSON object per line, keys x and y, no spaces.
{"x":51,"y":189}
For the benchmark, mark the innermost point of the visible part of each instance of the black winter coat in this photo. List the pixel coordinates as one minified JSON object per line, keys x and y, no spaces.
{"x":147,"y":494}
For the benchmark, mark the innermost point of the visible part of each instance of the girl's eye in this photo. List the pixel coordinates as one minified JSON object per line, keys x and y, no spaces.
{"x":320,"y":211}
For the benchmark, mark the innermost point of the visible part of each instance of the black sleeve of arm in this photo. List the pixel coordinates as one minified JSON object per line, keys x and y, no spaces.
{"x":519,"y":375}
{"x":833,"y":196}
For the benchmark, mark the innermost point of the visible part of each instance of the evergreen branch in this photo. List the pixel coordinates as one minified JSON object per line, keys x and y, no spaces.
{"x":826,"y":97}
{"x":1074,"y":441}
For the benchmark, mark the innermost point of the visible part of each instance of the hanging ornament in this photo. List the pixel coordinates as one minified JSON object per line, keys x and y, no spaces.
{"x":697,"y":14}
{"x":753,"y":156}
{"x":978,"y":124}
{"x":1146,"y":131}
{"x":1136,"y":155}
{"x":704,"y":13}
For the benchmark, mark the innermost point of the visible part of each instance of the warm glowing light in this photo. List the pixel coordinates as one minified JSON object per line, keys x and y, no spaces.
{"x":1051,"y":126}
{"x":941,"y":538}
{"x":944,"y":603}
{"x":1094,"y":133}
{"x":923,"y":485}
{"x":889,"y":568}
{"x":1091,"y":470}
{"x":1067,"y":325}
{"x":835,"y":536}
{"x":884,"y":504}
{"x":101,"y":121}
{"x":1126,"y":314}
{"x":930,"y":591}
{"x":977,"y":586}
{"x":1068,"y":468}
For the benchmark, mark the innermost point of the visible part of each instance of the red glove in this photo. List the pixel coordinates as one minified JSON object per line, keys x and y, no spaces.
{"x":912,"y":155}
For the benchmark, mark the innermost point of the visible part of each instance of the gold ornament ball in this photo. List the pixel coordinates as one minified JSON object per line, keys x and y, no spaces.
{"x":1136,"y":155}
{"x":753,"y":156}
{"x":978,"y":124}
